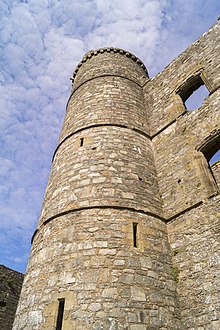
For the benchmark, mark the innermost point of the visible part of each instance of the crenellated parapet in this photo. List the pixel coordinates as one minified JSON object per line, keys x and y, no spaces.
{"x":112,"y":50}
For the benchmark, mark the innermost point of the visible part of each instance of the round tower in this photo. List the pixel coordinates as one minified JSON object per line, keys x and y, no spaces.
{"x":100,"y":257}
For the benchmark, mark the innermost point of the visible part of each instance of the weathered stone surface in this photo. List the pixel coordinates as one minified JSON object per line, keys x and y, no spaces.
{"x":10,"y":287}
{"x":194,"y":237}
{"x":129,"y":229}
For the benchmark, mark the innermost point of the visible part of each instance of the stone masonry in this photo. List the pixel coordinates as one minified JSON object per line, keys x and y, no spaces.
{"x":10,"y":287}
{"x":128,"y":236}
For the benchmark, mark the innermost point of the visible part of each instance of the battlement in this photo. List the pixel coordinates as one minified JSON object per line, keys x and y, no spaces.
{"x":112,"y":50}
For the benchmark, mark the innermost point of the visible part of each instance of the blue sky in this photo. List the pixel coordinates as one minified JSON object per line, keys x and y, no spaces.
{"x":41,"y":43}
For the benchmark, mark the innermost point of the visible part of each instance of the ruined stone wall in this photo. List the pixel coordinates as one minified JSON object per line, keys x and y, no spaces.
{"x":188,"y":190}
{"x":10,"y":287}
{"x":184,"y":177}
{"x":195,"y":240}
{"x":162,"y":91}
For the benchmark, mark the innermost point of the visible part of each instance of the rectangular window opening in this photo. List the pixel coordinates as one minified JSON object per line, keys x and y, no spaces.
{"x":60,"y":314}
{"x":135,"y":224}
{"x":81,"y":142}
{"x":193,"y":92}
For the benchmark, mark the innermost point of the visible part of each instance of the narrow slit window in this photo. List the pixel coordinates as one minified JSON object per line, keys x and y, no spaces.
{"x":60,"y":314}
{"x":81,"y":142}
{"x":135,"y":225}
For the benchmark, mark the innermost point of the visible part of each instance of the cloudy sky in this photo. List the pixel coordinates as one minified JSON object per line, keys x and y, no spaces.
{"x":41,"y":42}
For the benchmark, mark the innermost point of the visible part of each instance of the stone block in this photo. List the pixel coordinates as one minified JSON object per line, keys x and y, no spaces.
{"x":137,"y":293}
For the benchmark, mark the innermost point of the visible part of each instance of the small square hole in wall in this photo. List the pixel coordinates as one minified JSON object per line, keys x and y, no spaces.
{"x":193,"y":92}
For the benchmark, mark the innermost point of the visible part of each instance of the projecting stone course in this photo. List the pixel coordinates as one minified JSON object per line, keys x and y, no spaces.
{"x":100,"y":172}
{"x":116,"y":95}
{"x":101,"y":276}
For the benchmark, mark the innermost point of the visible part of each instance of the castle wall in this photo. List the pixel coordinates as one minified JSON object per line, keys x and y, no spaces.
{"x":10,"y":287}
{"x":183,"y":172}
{"x":129,"y":230}
{"x":188,"y":190}
{"x":100,"y":173}
{"x":163,"y":103}
{"x":88,"y":258}
{"x":194,"y":238}
{"x":86,"y":104}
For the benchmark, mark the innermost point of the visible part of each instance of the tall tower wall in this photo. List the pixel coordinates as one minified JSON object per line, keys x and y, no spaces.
{"x":101,"y":243}
{"x":183,"y":142}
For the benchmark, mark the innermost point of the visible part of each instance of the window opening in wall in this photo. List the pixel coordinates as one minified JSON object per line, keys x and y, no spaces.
{"x":211,"y":151}
{"x":193,"y":92}
{"x":60,"y":314}
{"x":196,"y":99}
{"x":135,"y":225}
{"x":81,"y":142}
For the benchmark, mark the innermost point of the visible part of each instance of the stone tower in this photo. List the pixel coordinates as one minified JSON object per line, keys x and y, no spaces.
{"x":128,"y":236}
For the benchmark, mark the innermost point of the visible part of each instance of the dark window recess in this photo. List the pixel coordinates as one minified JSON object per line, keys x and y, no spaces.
{"x":135,"y":225}
{"x":2,"y":303}
{"x":211,"y":151}
{"x":193,"y":92}
{"x":60,"y":314}
{"x":81,"y":142}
